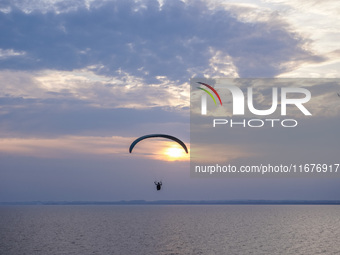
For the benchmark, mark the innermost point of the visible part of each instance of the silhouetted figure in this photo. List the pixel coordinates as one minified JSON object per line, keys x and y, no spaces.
{"x":338,"y":95}
{"x":158,"y":185}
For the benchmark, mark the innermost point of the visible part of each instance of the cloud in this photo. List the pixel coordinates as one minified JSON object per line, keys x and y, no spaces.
{"x":10,"y":53}
{"x":120,"y":91}
{"x":147,"y":40}
{"x":64,"y":147}
{"x":316,"y":20}
{"x":53,"y":103}
{"x":51,"y":118}
{"x":84,"y":146}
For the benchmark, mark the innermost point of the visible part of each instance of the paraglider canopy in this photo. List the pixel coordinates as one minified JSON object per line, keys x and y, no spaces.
{"x":158,"y":135}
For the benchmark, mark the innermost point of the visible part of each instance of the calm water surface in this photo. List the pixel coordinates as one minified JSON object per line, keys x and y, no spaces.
{"x":172,"y":229}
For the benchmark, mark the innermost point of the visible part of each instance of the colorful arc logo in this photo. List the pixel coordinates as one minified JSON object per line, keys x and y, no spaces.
{"x":204,"y":97}
{"x":212,"y":89}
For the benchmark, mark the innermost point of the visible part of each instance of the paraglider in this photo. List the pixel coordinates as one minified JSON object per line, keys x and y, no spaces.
{"x":158,"y":185}
{"x":133,"y":144}
{"x":157,"y":135}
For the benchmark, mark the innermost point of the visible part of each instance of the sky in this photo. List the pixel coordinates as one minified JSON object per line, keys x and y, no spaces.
{"x":80,"y":80}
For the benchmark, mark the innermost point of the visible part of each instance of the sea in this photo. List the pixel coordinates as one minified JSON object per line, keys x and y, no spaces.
{"x":169,"y":229}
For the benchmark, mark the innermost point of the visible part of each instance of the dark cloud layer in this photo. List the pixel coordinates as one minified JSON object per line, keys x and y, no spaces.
{"x":146,"y":39}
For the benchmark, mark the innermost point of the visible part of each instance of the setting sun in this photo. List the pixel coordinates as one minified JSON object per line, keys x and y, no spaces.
{"x":175,"y":153}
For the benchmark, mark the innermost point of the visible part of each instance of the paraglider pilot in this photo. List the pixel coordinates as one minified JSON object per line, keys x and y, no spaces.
{"x":158,"y":185}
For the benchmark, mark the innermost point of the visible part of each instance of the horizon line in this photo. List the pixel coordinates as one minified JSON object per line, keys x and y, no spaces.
{"x":182,"y":202}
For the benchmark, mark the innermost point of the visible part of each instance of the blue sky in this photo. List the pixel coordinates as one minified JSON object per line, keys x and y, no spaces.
{"x":81,"y":79}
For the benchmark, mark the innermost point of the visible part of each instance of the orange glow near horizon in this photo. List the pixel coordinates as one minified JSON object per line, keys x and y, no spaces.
{"x":175,"y":153}
{"x":159,"y":149}
{"x":70,"y":146}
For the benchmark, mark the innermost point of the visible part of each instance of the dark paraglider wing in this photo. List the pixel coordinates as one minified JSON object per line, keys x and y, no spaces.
{"x":158,"y":135}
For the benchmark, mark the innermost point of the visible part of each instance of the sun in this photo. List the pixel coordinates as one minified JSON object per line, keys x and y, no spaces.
{"x":175,"y":153}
